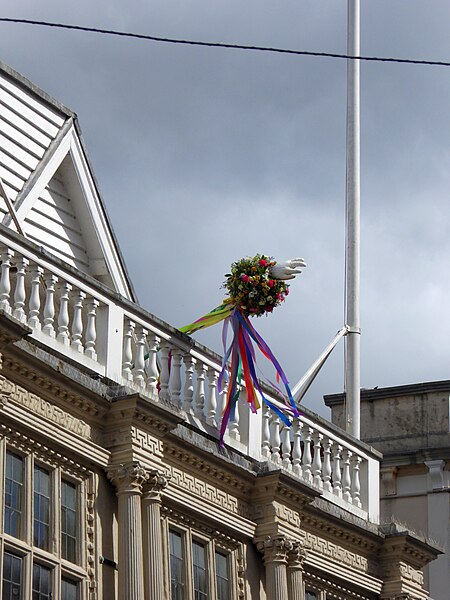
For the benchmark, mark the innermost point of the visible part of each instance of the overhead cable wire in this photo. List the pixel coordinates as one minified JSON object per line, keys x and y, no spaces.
{"x":141,"y":36}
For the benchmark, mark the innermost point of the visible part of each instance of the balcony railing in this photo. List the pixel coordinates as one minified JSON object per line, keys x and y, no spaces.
{"x":80,"y":318}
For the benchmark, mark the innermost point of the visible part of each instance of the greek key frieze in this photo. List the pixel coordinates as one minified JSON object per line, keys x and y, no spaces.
{"x":147,"y":442}
{"x":207,"y":491}
{"x":51,"y":412}
{"x":336,"y":552}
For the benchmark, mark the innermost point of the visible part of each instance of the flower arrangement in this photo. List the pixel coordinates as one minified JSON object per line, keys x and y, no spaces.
{"x":256,"y":286}
{"x":251,"y":286}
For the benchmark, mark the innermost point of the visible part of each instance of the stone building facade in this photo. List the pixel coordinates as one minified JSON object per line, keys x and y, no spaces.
{"x":112,"y":483}
{"x":410,"y":425}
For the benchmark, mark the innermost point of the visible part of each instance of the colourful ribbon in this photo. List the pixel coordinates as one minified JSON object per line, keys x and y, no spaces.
{"x":241,"y":369}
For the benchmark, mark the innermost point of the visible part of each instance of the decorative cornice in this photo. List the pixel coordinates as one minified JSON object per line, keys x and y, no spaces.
{"x":27,"y":444}
{"x":11,"y":330}
{"x":205,"y":467}
{"x":136,"y":409}
{"x":334,"y":590}
{"x":404,"y":547}
{"x":46,"y":386}
{"x":337,"y":553}
{"x":223,"y":540}
{"x":11,"y":392}
{"x":315,"y":523}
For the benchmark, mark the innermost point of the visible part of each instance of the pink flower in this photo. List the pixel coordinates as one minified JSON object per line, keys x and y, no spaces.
{"x":263,"y":262}
{"x":286,"y":292}
{"x":280,"y":296}
{"x":270,"y":283}
{"x":245,"y":278}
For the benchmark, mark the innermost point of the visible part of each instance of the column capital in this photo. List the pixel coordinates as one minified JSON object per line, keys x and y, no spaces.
{"x":275,"y":549}
{"x":296,"y":555}
{"x":128,"y":478}
{"x":155,"y":484}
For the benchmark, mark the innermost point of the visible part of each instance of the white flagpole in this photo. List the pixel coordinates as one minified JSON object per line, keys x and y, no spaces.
{"x":352,"y":375}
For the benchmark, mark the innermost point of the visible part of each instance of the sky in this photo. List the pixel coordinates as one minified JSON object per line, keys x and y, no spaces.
{"x":206,"y":155}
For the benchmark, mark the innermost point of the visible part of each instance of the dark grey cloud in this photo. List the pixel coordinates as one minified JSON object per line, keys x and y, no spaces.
{"x":206,"y":155}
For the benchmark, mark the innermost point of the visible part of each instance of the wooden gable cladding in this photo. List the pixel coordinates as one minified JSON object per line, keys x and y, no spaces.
{"x":47,"y":179}
{"x":27,"y":128}
{"x":52,"y":223}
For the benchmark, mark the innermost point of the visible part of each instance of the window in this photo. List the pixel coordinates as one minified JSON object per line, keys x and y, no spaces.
{"x":41,"y":508}
{"x":176,"y":565}
{"x":68,"y":521}
{"x":222,"y":576}
{"x":69,"y":590}
{"x":42,"y":512}
{"x":13,"y":494}
{"x":199,"y":570}
{"x":310,"y":595}
{"x":12,"y":577}
{"x":41,"y":583}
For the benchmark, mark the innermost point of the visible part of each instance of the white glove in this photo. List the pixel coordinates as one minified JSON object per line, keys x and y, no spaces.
{"x":287,"y":269}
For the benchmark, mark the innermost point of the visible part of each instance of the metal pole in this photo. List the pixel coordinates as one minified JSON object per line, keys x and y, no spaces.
{"x":352,"y":375}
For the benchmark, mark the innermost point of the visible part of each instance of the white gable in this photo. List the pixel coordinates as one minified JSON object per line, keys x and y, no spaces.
{"x":52,"y":222}
{"x":45,"y":173}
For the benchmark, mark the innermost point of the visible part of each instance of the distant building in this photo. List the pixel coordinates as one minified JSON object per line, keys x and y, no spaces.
{"x":112,"y":482}
{"x":410,"y":425}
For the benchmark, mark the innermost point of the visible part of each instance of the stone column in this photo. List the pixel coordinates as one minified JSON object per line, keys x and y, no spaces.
{"x":153,"y":550}
{"x":296,"y":555}
{"x":128,"y":480}
{"x":274,"y":550}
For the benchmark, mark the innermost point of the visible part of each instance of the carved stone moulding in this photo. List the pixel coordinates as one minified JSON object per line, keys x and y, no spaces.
{"x":281,"y":549}
{"x":128,"y":478}
{"x":222,"y":538}
{"x":51,"y":390}
{"x":52,"y":457}
{"x":205,"y":466}
{"x":334,"y":590}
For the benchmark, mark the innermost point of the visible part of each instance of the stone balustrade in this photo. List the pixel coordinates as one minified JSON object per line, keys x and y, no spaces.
{"x":84,"y":320}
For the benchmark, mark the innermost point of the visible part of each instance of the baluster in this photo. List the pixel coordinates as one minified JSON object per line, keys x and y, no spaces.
{"x":326,"y":469}
{"x":234,"y":422}
{"x":211,"y":406}
{"x":127,"y":362}
{"x":189,"y":366}
{"x":356,"y":486}
{"x":164,"y":393}
{"x":19,"y":294}
{"x":139,"y":361}
{"x":222,"y":401}
{"x":317,"y":460}
{"x":63,"y":317}
{"x":5,"y":282}
{"x":77,"y":322}
{"x":346,"y":478}
{"x":49,"y":308}
{"x":265,"y":442}
{"x":275,"y":439}
{"x":307,"y":457}
{"x":175,"y":378}
{"x":200,"y":395}
{"x":286,"y":447}
{"x":337,"y":485}
{"x":152,"y":366}
{"x":297,"y":447}
{"x":34,"y":304}
{"x":91,"y":329}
